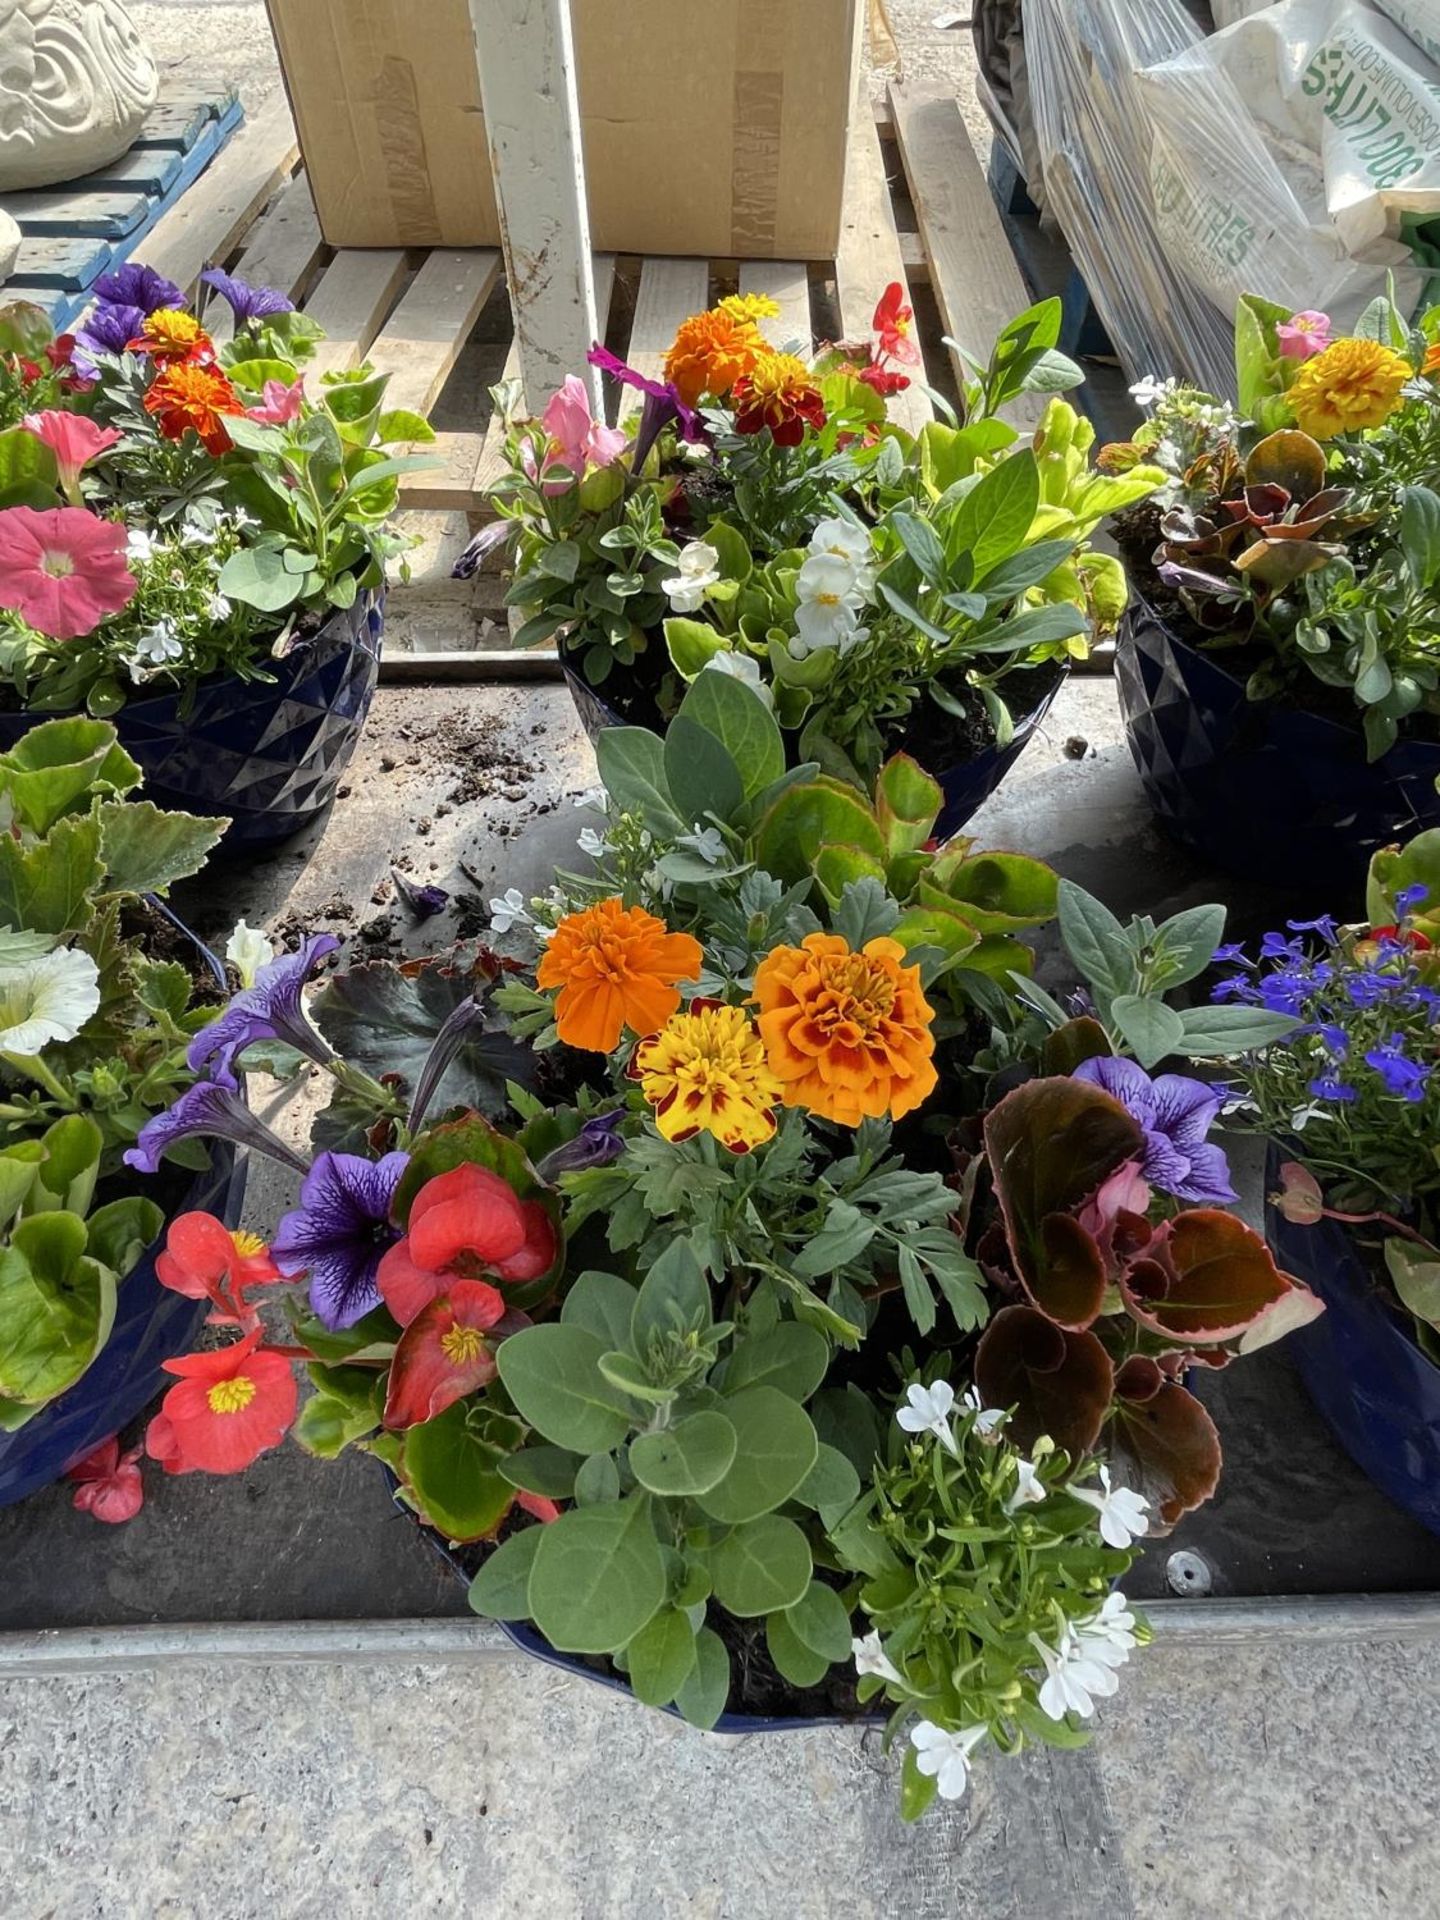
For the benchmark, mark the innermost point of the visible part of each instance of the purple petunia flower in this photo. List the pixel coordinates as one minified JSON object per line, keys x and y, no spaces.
{"x":269,"y":1010}
{"x":135,"y":285}
{"x":246,"y":302}
{"x":1402,"y":1076}
{"x":339,"y":1232}
{"x":107,"y":328}
{"x":1175,"y":1114}
{"x":598,"y":1142}
{"x":423,"y":900}
{"x":207,"y":1111}
{"x":662,"y":404}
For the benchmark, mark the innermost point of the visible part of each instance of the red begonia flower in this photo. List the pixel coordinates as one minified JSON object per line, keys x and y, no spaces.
{"x":205,"y":1261}
{"x":443,"y":1353}
{"x":538,"y":1507}
{"x":893,"y":323}
{"x":108,"y":1483}
{"x":228,"y":1408}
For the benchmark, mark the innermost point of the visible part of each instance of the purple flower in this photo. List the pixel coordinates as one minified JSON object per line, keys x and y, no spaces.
{"x":1232,"y":954}
{"x":1284,"y":992}
{"x":212,"y":1112}
{"x":1368,"y":987}
{"x":269,"y":1010}
{"x":106,"y":329}
{"x":1402,"y":1076}
{"x":1325,"y":926}
{"x":246,"y":302}
{"x":598,"y":1142}
{"x":662,"y":404}
{"x":1276,"y":947}
{"x":462,"y":1020}
{"x":1334,"y":1039}
{"x":1409,"y":897}
{"x":422,"y":901}
{"x":1327,"y":1087}
{"x":1175,"y":1115}
{"x":134,"y":285}
{"x":484,"y":542}
{"x":338,"y":1233}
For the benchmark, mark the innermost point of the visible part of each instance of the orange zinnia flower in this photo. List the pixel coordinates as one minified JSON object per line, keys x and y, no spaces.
{"x":778,"y":393}
{"x":711,"y":352}
{"x":847,"y":1034}
{"x":616,"y":967}
{"x":190,"y":394}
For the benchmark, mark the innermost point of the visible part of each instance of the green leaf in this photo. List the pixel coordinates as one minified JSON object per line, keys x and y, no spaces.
{"x":831,"y":1487}
{"x":346,"y":1406}
{"x":258,"y":577}
{"x":401,"y":424}
{"x":689,"y":1458}
{"x":71,"y":1166}
{"x":501,"y":1589}
{"x":995,"y":516}
{"x":791,"y":1357}
{"x":552,"y":1373}
{"x":1190,"y":938}
{"x":56,"y":1307}
{"x":60,"y":762}
{"x":632,"y":766}
{"x":29,"y":476}
{"x":846,"y":1234}
{"x":1152,"y":1029}
{"x":761,"y":1567}
{"x":777,"y":1449}
{"x":692,"y":644}
{"x":598,"y":1480}
{"x":450,"y":1468}
{"x":548,"y":1471}
{"x":598,"y":1576}
{"x":674,"y":1297}
{"x":1420,"y":533}
{"x":798,"y":1664}
{"x":662,"y":1657}
{"x":811,"y":815}
{"x":1095,"y":939}
{"x":699,"y":771}
{"x":736,"y":716}
{"x":821,"y":1622}
{"x":46,"y":888}
{"x":603,"y":1304}
{"x":920,"y":541}
{"x":118,"y":1233}
{"x":702,"y":1698}
{"x":145,"y":850}
{"x":1416,"y":1274}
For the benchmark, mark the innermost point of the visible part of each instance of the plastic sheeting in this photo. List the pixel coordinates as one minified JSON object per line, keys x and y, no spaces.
{"x":1295,"y":155}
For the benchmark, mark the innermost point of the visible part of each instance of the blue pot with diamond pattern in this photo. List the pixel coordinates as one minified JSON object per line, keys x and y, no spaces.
{"x":269,"y":753}
{"x":1259,"y":788}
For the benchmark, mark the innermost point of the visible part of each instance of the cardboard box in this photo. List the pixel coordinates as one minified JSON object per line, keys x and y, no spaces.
{"x":713,"y":127}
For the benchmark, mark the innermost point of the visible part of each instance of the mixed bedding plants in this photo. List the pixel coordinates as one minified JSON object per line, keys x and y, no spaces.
{"x":771,"y":1287}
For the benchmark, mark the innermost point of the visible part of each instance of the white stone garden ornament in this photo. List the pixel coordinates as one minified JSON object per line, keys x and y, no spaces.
{"x":76,"y":80}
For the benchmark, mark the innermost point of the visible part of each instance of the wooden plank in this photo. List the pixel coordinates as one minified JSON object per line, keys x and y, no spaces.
{"x":670,"y":291}
{"x":977,"y":283}
{"x":788,"y":284}
{"x":279,"y":251}
{"x":868,"y":258}
{"x":469,"y":664}
{"x":60,"y":210}
{"x":423,"y":337}
{"x":206,"y":224}
{"x":350,"y":301}
{"x":59,"y":263}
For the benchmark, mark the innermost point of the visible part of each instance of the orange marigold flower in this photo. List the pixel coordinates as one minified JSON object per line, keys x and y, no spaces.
{"x":751,"y":306}
{"x":188,"y":394}
{"x":778,"y":393}
{"x":1353,"y":384}
{"x":172,"y":334}
{"x":706,"y":1071}
{"x":616,"y":967}
{"x":1431,"y":365}
{"x":847,"y":1033}
{"x":711,"y":351}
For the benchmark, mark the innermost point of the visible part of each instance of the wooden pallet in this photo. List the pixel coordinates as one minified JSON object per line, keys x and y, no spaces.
{"x":414,"y":313}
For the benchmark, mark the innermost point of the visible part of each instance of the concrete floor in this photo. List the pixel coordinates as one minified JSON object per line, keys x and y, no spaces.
{"x":1264,"y":1782}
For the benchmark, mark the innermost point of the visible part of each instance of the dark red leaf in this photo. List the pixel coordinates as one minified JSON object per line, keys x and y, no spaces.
{"x":1171,"y":1450}
{"x":1206,"y":1278}
{"x":1058,"y":1382}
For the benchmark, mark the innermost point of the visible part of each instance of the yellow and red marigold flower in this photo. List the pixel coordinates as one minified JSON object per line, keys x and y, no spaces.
{"x":188,"y":394}
{"x":1352,"y":385}
{"x":779,"y":393}
{"x":616,"y":968}
{"x":847,"y":1033}
{"x":171,"y":334}
{"x":706,"y":1071}
{"x":710,"y":353}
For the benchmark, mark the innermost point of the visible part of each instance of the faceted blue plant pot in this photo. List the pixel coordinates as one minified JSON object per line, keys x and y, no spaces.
{"x":152,"y":1324}
{"x":1371,"y":1384}
{"x":966,"y":787}
{"x":1260,"y":789}
{"x":268,"y":753}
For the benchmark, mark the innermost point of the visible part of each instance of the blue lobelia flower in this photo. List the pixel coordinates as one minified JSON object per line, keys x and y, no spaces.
{"x":339,"y":1232}
{"x":271,"y":1009}
{"x":1328,"y":1087}
{"x":135,"y":285}
{"x":1409,"y":897}
{"x":246,"y":302}
{"x":207,"y":1111}
{"x":1175,"y":1114}
{"x":1402,"y":1076}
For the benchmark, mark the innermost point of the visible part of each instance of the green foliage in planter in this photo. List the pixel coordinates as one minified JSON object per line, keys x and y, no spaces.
{"x":694,"y":1467}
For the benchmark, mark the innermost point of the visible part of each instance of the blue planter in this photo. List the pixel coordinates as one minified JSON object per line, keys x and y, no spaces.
{"x":966,"y":787}
{"x":268,"y":753}
{"x":152,"y":1324}
{"x":1216,"y":767}
{"x":1373,"y":1387}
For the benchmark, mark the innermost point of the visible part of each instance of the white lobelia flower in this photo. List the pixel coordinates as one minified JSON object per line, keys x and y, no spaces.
{"x":47,"y":1000}
{"x":509,"y":911}
{"x":1109,"y":1635}
{"x":699,"y":569}
{"x":1123,"y":1512}
{"x":944,"y":1757}
{"x":740,"y":666}
{"x":218,"y":607}
{"x":1030,"y":1489}
{"x":871,"y":1657}
{"x":1074,"y":1678}
{"x":988,"y":1420}
{"x":1151,"y":390}
{"x":247,"y":950}
{"x":928,"y":1410}
{"x":591,"y":843}
{"x":708,"y":843}
{"x":159,"y":645}
{"x":140,"y":545}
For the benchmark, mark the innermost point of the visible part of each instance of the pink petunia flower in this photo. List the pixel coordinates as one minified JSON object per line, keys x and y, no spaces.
{"x":281,"y":404}
{"x":1303,"y":335}
{"x":108,"y":1483}
{"x":75,"y":441}
{"x":63,"y":570}
{"x":577,"y":439}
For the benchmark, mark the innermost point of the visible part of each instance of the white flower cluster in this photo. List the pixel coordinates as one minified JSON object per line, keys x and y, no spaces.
{"x":833,"y":587}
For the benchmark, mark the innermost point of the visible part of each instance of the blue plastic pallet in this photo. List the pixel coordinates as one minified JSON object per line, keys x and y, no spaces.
{"x":72,"y":233}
